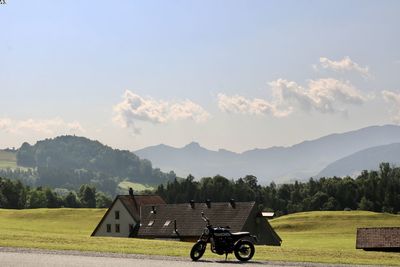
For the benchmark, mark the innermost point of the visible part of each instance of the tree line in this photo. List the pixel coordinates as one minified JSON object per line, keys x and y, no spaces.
{"x":15,"y":195}
{"x":372,"y":190}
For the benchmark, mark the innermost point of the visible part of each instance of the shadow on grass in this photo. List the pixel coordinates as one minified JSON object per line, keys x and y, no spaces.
{"x":230,"y":261}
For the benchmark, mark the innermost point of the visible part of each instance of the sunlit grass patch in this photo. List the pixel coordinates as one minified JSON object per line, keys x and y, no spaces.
{"x":8,"y":159}
{"x":137,"y":187}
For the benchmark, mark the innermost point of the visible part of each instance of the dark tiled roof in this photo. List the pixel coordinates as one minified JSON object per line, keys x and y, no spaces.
{"x":132,"y":204}
{"x":189,"y":221}
{"x":378,"y":238}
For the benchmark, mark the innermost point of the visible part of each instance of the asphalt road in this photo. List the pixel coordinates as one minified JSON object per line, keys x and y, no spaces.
{"x":42,"y":258}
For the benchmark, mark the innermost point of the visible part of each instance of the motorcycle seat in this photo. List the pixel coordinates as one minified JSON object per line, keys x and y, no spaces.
{"x":241,"y":233}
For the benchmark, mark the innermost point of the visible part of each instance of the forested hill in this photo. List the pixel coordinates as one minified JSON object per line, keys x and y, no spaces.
{"x":70,"y":160}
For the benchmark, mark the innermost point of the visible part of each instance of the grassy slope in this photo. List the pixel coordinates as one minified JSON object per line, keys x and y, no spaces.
{"x":8,"y":159}
{"x":70,"y":229}
{"x":314,"y":237}
{"x":331,"y":236}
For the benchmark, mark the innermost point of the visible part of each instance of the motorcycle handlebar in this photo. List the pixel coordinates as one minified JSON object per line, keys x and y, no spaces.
{"x":205,"y":218}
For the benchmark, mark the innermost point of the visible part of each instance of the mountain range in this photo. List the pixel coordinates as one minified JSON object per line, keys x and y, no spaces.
{"x":334,"y":154}
{"x":366,"y":159}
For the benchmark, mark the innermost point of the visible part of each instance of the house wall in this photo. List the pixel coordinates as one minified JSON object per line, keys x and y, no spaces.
{"x":125,"y":219}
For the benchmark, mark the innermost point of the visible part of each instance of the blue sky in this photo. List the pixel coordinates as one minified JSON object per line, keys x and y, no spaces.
{"x":228,"y":74}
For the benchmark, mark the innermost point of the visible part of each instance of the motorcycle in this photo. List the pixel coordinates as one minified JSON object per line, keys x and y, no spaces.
{"x":223,"y":242}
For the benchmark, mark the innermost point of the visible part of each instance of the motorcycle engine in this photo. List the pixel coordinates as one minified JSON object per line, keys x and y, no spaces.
{"x":222,"y":241}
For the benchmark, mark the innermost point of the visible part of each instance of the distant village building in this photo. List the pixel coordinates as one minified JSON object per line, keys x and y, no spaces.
{"x":151,"y":217}
{"x":379,"y":238}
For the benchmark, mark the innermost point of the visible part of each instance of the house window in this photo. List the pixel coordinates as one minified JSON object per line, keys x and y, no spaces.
{"x":150,"y":223}
{"x":108,"y":228}
{"x":117,"y":214}
{"x":167,"y":223}
{"x":117,"y":228}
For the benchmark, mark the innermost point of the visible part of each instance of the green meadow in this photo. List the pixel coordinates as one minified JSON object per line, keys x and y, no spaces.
{"x":330,"y":236}
{"x":327,"y":237}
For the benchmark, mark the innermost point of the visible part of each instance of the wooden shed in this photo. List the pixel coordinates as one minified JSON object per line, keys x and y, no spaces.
{"x":379,"y":239}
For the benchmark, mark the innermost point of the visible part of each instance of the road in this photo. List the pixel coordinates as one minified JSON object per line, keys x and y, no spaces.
{"x":17,"y":257}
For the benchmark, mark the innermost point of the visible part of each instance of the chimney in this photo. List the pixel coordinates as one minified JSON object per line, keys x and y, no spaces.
{"x":175,"y":229}
{"x":153,"y":209}
{"x":131,"y":191}
{"x":191,"y":203}
{"x":233,"y":204}
{"x":208,"y":203}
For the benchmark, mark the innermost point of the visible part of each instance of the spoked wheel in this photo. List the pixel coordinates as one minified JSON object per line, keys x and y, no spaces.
{"x":198,"y":250}
{"x":244,"y":250}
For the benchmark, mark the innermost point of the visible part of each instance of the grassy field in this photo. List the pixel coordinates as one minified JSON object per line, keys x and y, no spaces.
{"x":330,"y":236}
{"x":8,"y":159}
{"x":327,"y":237}
{"x":135,"y":186}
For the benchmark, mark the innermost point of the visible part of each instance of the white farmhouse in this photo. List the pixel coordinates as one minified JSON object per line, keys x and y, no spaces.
{"x":122,"y":219}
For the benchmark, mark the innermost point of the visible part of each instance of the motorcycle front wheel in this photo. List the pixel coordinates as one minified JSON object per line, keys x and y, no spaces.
{"x":244,"y":250}
{"x":198,"y":250}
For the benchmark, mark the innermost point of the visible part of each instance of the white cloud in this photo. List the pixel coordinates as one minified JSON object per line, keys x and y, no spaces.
{"x":242,"y":105}
{"x":188,"y":110}
{"x":239,"y":104}
{"x":346,"y":64}
{"x":394,"y":100}
{"x":5,"y":123}
{"x":75,"y":127}
{"x":323,"y":95}
{"x":135,"y":108}
{"x":40,"y":126}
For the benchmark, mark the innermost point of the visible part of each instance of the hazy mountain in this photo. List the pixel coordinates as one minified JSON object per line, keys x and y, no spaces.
{"x":276,"y":163}
{"x":367,"y":159}
{"x":191,"y":159}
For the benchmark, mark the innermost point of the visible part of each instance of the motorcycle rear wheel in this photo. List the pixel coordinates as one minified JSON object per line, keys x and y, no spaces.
{"x":244,"y":250}
{"x":198,"y":250}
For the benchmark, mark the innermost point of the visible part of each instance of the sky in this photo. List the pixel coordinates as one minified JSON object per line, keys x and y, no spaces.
{"x":227,"y":74}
